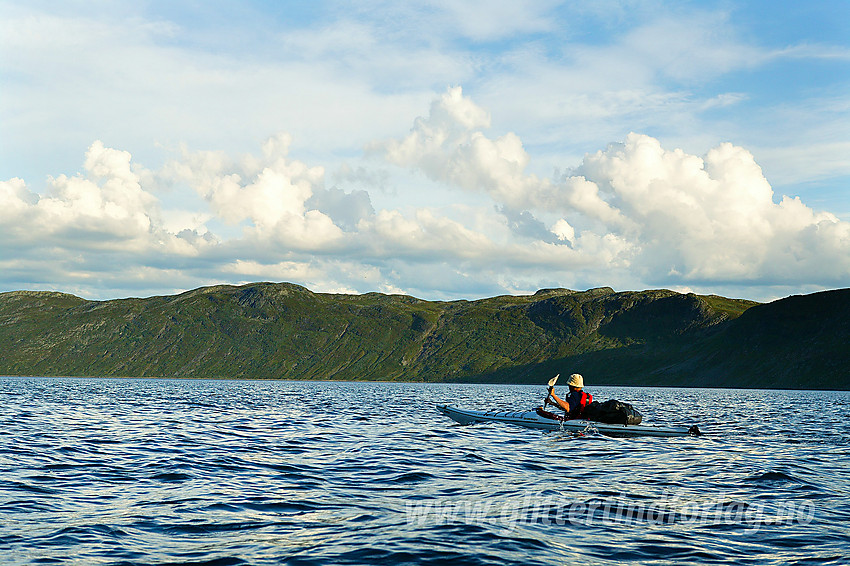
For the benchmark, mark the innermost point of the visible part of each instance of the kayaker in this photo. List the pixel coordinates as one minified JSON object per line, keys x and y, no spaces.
{"x":576,"y":401}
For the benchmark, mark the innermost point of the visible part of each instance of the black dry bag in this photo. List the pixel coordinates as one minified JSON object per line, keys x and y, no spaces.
{"x":612,"y":412}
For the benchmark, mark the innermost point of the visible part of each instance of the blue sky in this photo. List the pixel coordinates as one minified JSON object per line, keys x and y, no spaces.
{"x":441,"y":149}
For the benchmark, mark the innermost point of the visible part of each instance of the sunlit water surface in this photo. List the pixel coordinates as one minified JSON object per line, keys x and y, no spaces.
{"x":108,"y":471}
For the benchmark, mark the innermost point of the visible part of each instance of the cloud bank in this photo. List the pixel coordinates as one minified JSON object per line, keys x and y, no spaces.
{"x":631,"y":215}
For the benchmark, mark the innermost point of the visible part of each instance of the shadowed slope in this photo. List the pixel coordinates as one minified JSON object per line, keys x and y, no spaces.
{"x":284,"y":331}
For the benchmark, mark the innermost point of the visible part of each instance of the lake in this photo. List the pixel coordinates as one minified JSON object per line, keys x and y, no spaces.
{"x":148,"y":471}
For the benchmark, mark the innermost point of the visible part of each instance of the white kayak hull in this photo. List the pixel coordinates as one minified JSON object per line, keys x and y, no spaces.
{"x":530,"y":419}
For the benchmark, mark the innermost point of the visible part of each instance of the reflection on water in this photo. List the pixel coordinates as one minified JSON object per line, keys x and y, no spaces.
{"x":238,"y":472}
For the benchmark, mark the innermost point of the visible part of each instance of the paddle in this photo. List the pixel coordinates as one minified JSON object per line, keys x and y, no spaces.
{"x":552,"y":383}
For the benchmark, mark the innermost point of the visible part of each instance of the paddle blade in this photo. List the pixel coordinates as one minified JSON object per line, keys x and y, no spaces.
{"x":553,"y":381}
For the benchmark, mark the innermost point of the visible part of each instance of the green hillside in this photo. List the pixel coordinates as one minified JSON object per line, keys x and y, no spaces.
{"x":283,"y":331}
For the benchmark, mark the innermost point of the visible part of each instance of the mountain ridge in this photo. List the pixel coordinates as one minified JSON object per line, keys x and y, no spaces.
{"x":285,"y":331}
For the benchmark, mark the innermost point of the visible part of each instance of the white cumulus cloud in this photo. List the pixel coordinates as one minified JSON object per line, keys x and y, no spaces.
{"x":269,"y":192}
{"x":674,"y":216}
{"x":631,"y":215}
{"x":104,"y":207}
{"x":713,"y":218}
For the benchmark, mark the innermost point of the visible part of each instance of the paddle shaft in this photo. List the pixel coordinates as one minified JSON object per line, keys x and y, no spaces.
{"x":552,"y":383}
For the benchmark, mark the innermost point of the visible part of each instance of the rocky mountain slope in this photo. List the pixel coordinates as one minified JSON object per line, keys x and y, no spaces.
{"x":284,"y":331}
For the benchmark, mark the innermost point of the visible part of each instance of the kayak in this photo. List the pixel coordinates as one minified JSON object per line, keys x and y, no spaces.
{"x":547,"y":421}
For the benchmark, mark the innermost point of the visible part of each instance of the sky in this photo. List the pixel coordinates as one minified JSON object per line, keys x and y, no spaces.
{"x":441,"y":149}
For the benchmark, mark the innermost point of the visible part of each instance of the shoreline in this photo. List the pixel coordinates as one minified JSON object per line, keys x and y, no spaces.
{"x":403,"y":382}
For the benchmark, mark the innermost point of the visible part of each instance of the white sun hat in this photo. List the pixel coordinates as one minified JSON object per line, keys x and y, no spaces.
{"x":576,"y":380}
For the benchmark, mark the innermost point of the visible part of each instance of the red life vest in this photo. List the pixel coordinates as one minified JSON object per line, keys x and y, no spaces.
{"x":578,"y":400}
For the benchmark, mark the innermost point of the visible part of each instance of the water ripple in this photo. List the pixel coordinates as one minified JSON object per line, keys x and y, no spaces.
{"x":139,"y":472}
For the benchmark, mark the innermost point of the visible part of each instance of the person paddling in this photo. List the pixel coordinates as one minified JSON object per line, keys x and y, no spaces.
{"x":575,"y":402}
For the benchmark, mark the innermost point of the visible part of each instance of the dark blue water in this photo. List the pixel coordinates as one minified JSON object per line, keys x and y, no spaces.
{"x":104,"y":471}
